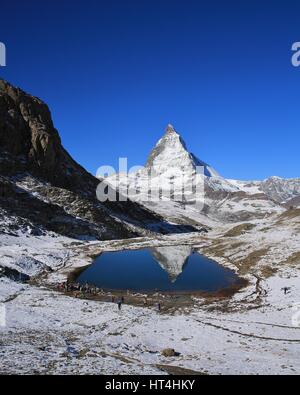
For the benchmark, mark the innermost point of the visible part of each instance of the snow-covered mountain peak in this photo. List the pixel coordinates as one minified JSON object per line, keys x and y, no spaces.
{"x":172,"y":138}
{"x":274,"y":178}
{"x":171,"y":153}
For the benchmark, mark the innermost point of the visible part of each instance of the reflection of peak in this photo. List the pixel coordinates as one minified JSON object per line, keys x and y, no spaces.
{"x":172,"y":259}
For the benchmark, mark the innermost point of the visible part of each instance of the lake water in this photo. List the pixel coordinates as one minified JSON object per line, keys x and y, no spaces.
{"x":166,"y":269}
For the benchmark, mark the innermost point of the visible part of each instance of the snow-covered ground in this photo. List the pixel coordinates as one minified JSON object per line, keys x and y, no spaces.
{"x":254,"y":332}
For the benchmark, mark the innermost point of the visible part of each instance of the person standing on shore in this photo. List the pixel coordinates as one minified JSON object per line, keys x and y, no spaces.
{"x":119,"y":304}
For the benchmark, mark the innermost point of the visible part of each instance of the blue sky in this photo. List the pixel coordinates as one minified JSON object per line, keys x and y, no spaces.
{"x":115,"y":72}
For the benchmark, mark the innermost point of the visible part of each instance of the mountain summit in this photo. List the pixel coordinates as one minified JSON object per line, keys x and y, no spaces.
{"x":171,"y":153}
{"x":170,"y":129}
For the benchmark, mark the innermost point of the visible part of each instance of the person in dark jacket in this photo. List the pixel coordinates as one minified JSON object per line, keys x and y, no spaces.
{"x":119,"y":305}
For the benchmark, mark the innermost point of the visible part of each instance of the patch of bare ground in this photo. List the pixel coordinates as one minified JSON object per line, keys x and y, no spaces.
{"x":218,"y":248}
{"x":246,"y":264}
{"x":118,"y":357}
{"x":265,"y":230}
{"x":178,"y":371}
{"x":293,"y":260}
{"x":182,"y":220}
{"x":268,"y":271}
{"x":293,"y":213}
{"x":239,"y":230}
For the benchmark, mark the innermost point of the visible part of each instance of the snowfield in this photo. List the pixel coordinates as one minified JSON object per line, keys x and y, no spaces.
{"x":254,"y":332}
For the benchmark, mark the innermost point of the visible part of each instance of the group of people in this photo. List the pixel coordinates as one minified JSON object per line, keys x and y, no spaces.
{"x":75,"y":287}
{"x":88,"y":289}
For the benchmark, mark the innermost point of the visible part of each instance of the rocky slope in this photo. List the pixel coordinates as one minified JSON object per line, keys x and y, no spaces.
{"x":43,"y":189}
{"x":281,"y":190}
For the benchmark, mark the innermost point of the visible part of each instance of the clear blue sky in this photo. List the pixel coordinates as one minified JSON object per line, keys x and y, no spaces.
{"x":115,"y":72}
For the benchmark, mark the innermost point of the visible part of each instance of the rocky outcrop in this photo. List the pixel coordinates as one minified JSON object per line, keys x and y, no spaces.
{"x":281,"y":190}
{"x":294,"y":202}
{"x":27,"y":133}
{"x":27,"y":128}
